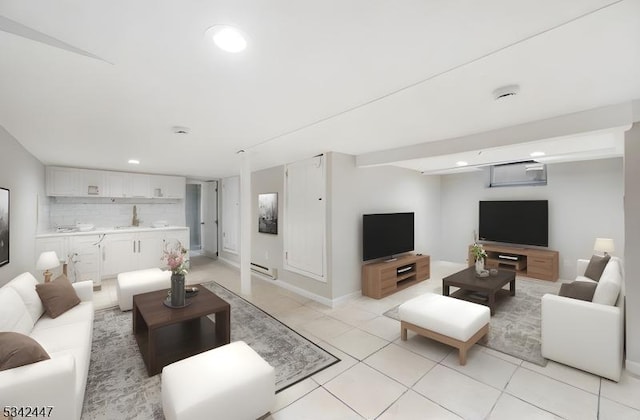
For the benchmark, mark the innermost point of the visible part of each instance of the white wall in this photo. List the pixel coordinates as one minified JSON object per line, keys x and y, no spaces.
{"x":632,"y":246}
{"x":385,"y":189}
{"x":23,"y":174}
{"x":585,"y":202}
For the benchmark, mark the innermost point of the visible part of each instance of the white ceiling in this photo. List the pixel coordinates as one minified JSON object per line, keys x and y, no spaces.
{"x":93,"y":84}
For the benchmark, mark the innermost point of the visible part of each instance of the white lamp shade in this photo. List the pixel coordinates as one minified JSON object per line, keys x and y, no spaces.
{"x":47,"y":260}
{"x":604,"y":245}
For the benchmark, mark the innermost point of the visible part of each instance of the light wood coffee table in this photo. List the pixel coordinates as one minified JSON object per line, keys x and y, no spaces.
{"x":482,"y":290}
{"x":166,"y":335}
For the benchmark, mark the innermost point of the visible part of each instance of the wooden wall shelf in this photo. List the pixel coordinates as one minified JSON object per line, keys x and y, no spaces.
{"x":531,"y":262}
{"x":381,"y":279}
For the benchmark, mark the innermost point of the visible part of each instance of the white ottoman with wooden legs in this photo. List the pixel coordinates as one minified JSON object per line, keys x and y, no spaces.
{"x":451,"y":321}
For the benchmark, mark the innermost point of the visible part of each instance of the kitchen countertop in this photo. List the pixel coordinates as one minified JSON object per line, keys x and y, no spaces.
{"x":104,"y":230}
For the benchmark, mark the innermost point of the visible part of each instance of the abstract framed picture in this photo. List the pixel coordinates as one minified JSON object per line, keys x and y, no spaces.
{"x":268,"y":213}
{"x":4,"y":226}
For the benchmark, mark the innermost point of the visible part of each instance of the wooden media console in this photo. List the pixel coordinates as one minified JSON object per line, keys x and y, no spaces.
{"x":381,"y":279}
{"x":531,"y":262}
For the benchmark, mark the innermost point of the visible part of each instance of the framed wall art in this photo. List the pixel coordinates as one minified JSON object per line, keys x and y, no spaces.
{"x":268,"y":213}
{"x":4,"y":226}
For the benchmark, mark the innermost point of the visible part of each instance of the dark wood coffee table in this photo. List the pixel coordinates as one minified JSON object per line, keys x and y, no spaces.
{"x":482,"y":290}
{"x":166,"y":335}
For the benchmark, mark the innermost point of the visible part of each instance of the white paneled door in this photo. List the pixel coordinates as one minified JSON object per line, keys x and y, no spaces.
{"x":231,"y":214}
{"x":305,"y":217}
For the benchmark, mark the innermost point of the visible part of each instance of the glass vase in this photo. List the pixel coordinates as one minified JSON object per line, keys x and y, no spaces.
{"x":479,"y":265}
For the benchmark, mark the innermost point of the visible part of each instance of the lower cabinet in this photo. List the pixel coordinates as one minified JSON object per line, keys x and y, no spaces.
{"x":94,"y":257}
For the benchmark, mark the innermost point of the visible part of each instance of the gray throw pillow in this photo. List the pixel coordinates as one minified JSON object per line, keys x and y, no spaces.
{"x":18,"y":350}
{"x":582,"y":290}
{"x":596,"y":267}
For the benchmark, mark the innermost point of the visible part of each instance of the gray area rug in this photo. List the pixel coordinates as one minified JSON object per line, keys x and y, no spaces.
{"x":118,"y":386}
{"x":515,"y":327}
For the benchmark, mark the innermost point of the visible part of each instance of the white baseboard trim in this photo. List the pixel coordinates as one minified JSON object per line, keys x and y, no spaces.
{"x":632,"y":367}
{"x":332,"y":303}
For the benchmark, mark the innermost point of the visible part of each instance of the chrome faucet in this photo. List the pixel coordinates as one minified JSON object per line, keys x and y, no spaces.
{"x":135,"y":221}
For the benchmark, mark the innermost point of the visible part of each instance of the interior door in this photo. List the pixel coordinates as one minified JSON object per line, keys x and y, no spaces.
{"x":210,"y":219}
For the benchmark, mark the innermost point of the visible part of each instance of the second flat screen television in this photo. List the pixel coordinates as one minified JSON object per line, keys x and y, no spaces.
{"x":387,"y":234}
{"x":524,"y":222}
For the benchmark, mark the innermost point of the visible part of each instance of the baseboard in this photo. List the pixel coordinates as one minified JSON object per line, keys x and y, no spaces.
{"x":632,"y":367}
{"x":226,"y":261}
{"x":302,"y":292}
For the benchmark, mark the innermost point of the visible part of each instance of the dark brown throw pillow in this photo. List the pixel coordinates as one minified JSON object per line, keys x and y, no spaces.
{"x":57,"y":296}
{"x":596,"y":267}
{"x":18,"y":350}
{"x":582,"y":290}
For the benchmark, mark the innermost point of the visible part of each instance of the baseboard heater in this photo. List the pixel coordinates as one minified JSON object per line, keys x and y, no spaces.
{"x":269,"y":272}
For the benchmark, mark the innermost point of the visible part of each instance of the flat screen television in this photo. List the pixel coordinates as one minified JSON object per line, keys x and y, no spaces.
{"x":523,"y":222}
{"x":388,"y":234}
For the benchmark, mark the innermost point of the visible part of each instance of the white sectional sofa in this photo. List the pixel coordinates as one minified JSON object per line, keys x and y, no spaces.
{"x":60,"y":381}
{"x":588,"y":335}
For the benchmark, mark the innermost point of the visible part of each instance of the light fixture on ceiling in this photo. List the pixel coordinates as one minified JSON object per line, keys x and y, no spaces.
{"x":536,"y":154}
{"x":461,"y":163}
{"x":180,"y":130}
{"x":227,"y":38}
{"x":506,"y":92}
{"x":134,"y":162}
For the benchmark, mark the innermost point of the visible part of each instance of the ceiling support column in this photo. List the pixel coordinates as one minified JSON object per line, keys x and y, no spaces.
{"x":245,"y":223}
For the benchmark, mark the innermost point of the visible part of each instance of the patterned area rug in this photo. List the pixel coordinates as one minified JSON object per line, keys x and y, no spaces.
{"x":118,"y":386}
{"x":515,"y":327}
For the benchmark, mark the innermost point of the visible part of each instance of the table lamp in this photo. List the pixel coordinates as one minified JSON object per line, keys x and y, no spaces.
{"x":47,"y":261}
{"x":604,"y":245}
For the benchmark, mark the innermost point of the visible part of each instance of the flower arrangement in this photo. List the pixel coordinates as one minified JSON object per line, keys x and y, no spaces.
{"x":176,"y":258}
{"x":478,"y":251}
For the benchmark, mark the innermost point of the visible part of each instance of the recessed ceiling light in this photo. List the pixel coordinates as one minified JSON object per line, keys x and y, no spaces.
{"x":461,"y":163}
{"x":536,"y":154}
{"x":134,"y":161}
{"x":227,"y":38}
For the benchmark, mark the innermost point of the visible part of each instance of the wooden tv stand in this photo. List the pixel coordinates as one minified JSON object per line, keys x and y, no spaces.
{"x":381,"y":279}
{"x":531,"y":262}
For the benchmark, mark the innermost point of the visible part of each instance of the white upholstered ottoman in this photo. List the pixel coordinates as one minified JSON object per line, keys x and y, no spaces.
{"x":229,"y":382}
{"x":140,"y":281}
{"x":451,"y":321}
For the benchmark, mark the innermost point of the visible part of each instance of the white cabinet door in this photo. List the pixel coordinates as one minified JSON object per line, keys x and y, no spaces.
{"x":85,"y":258}
{"x":149,"y":249}
{"x":167,"y":186}
{"x":63,"y":181}
{"x":139,"y":186}
{"x":305,"y":220}
{"x":115,"y":184}
{"x":172,"y":237}
{"x":119,"y":254}
{"x":92,"y":183}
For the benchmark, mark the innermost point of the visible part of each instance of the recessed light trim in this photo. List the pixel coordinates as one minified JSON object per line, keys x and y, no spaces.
{"x":537,"y":154}
{"x":505,"y":92}
{"x":462,"y":163}
{"x":228,"y":38}
{"x":134,"y":162}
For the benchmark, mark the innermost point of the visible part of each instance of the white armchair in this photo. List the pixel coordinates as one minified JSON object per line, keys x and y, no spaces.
{"x":586,"y":335}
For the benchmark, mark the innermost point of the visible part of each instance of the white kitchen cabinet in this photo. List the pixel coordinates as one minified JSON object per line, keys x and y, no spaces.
{"x":119,"y":254}
{"x":92,"y":183}
{"x":85,"y":254}
{"x":63,"y":181}
{"x":149,"y":249}
{"x":115,"y":183}
{"x":168,"y":186}
{"x":131,"y":251}
{"x":138,"y":186}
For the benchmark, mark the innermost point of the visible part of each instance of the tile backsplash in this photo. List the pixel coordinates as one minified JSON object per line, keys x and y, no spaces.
{"x":106,"y":212}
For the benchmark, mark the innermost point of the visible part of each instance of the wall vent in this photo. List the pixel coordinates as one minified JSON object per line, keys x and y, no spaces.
{"x":528,"y":172}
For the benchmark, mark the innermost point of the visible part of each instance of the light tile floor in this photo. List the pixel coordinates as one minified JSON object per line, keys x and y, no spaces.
{"x":381,"y":377}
